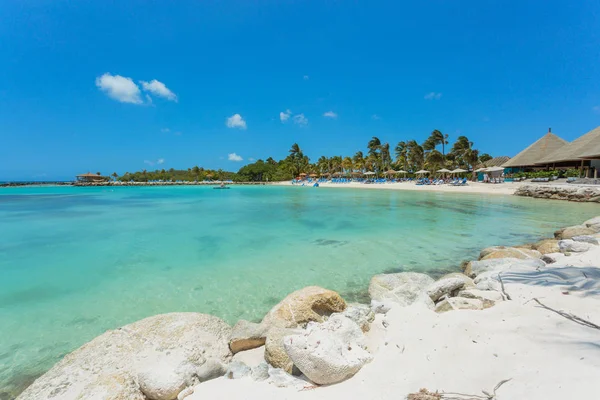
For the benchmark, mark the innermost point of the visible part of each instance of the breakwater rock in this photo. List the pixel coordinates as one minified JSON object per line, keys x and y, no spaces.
{"x":561,"y":192}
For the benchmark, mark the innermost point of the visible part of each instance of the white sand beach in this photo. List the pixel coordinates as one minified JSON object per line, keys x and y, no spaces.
{"x":507,"y":188}
{"x":545,"y":355}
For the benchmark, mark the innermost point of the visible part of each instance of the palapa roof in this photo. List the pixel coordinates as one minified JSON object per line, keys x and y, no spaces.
{"x":537,"y":151}
{"x":494,"y":162}
{"x":90,"y":175}
{"x":586,"y":146}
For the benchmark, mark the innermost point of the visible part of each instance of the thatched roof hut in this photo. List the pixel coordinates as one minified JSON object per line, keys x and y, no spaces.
{"x":537,"y":151}
{"x":494,"y":162}
{"x":584,"y":147}
{"x":89,"y":177}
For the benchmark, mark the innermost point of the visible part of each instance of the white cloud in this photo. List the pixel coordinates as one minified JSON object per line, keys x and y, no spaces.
{"x":330,"y":114}
{"x":165,"y":130}
{"x":284,"y":116}
{"x":375,"y":117}
{"x":234,"y":157}
{"x":153,"y":162}
{"x":300,"y":119}
{"x":305,"y":77}
{"x":251,"y":159}
{"x":433,"y":96}
{"x":236,"y":121}
{"x":596,"y":109}
{"x":119,"y":88}
{"x":177,"y":133}
{"x":159,"y":89}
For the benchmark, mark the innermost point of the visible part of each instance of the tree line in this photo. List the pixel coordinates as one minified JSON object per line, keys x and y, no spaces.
{"x":409,"y":156}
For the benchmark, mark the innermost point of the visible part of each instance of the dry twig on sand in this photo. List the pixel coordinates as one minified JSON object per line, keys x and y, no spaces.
{"x":502,"y":286}
{"x":425,"y":394}
{"x":569,"y":316}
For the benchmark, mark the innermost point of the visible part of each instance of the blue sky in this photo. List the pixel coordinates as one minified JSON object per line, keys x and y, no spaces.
{"x":122,"y":86}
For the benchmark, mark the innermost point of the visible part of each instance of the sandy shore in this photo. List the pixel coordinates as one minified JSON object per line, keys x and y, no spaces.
{"x":545,"y":355}
{"x":507,"y":188}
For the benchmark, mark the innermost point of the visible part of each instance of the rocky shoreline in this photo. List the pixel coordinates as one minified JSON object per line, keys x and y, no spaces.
{"x":561,"y":192}
{"x":313,"y":339}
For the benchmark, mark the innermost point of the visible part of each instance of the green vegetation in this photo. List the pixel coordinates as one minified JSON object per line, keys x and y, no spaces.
{"x":569,"y":173}
{"x":410,"y":156}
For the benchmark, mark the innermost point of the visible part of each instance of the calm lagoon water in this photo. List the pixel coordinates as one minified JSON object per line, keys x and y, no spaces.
{"x":75,"y":262}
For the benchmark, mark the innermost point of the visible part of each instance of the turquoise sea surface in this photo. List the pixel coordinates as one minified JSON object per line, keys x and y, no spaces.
{"x":76,"y":261}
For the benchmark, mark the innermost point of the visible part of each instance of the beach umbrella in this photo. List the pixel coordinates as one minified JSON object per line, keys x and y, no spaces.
{"x":313,"y":175}
{"x":390,"y":172}
{"x":356,"y":173}
{"x":444,"y":170}
{"x":423,"y":171}
{"x":401,"y":172}
{"x":480,"y":170}
{"x":458,"y":171}
{"x":494,"y":169}
{"x":303,"y":174}
{"x":369,"y":173}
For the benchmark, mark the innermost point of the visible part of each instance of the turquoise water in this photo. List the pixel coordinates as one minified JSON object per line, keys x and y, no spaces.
{"x":75,"y":262}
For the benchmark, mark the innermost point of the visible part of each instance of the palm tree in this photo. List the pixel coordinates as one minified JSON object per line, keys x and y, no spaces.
{"x":401,"y":151}
{"x":323,"y":164}
{"x":464,"y":152}
{"x":385,"y":156}
{"x":416,"y":155}
{"x":374,"y":145}
{"x":438,"y":137}
{"x":435,"y":160}
{"x":359,"y":161}
{"x":372,"y":162}
{"x":115,"y":175}
{"x":347,"y":164}
{"x":295,"y":151}
{"x":196,"y":171}
{"x":484,"y":157}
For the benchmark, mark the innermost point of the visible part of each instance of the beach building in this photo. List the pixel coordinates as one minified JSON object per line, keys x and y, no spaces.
{"x":494,"y":162}
{"x":582,"y":153}
{"x":89,"y":177}
{"x":530,"y":158}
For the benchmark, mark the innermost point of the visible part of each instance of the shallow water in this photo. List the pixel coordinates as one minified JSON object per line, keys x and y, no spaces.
{"x":75,"y":262}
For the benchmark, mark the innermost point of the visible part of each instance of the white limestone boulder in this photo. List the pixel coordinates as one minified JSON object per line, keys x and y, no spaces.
{"x":311,"y":303}
{"x":402,"y":288}
{"x":577,"y":230}
{"x":586,"y":239}
{"x":247,"y":335}
{"x":447,"y":286}
{"x":275,"y":353}
{"x":476,"y":268}
{"x":508,"y":252}
{"x":458,"y":303}
{"x":361,"y":314}
{"x":177,"y":344}
{"x":593,"y":223}
{"x":572,"y":246}
{"x":330,"y":352}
